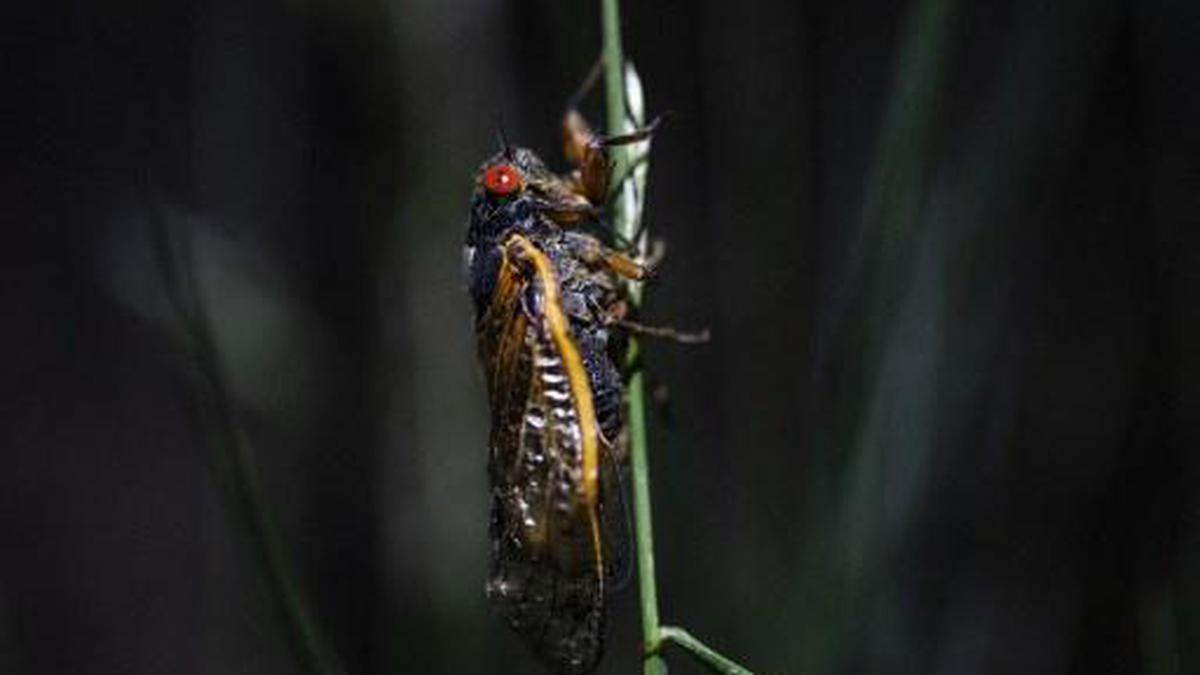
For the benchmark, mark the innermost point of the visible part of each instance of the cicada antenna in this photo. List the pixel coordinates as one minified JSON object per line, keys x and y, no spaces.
{"x":502,"y":138}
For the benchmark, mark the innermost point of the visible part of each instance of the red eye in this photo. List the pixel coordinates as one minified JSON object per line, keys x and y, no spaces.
{"x":502,"y":180}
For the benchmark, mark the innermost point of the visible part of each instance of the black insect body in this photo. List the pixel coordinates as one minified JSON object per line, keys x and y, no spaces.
{"x":547,"y":304}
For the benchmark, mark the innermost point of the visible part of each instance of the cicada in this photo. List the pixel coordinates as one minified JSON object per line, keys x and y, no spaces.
{"x":549,"y":312}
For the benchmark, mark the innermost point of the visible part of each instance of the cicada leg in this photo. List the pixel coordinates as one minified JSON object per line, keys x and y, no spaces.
{"x":566,"y":209}
{"x":594,"y":254}
{"x":664,"y":332}
{"x":616,"y":313}
{"x":585,"y":150}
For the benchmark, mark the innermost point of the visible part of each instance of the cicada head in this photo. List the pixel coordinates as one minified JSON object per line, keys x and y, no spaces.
{"x":501,"y":201}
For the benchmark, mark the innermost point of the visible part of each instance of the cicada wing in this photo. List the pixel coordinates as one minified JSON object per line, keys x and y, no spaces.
{"x":615,"y":521}
{"x":546,"y":572}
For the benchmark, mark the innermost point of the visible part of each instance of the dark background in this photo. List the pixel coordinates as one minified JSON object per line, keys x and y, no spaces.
{"x":948,"y":252}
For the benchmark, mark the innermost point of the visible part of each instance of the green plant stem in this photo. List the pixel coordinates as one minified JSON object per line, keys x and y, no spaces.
{"x":625,"y":225}
{"x":614,"y":87}
{"x":702,"y":652}
{"x":647,"y":586}
{"x":626,"y":219}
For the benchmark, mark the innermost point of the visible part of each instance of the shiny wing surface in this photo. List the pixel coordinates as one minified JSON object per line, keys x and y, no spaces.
{"x":547,"y":564}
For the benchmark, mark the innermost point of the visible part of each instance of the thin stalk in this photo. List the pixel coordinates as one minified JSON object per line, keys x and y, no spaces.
{"x":621,"y":79}
{"x":702,"y":652}
{"x":647,"y":586}
{"x":625,"y":225}
{"x":614,"y":87}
